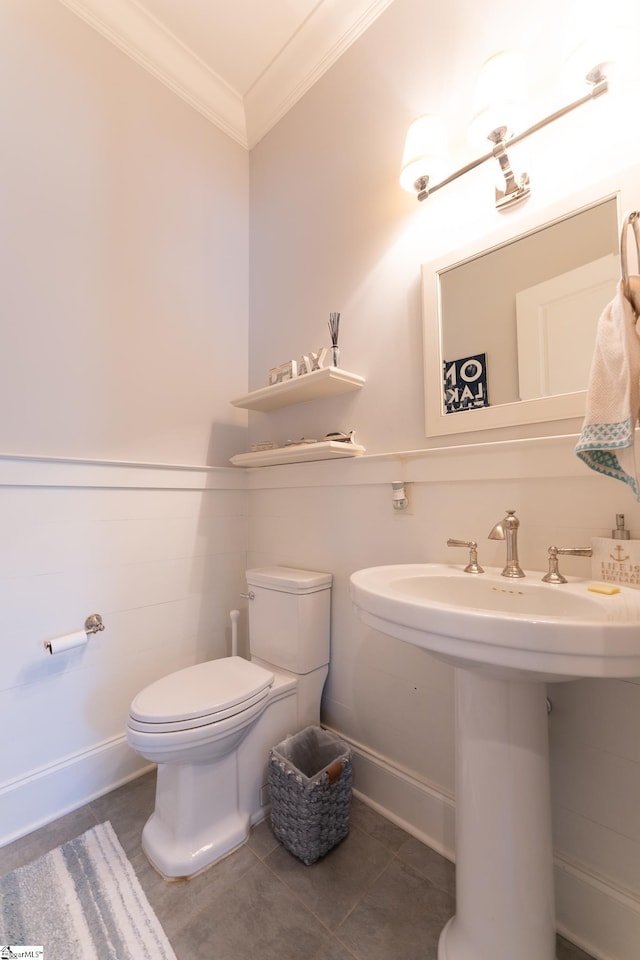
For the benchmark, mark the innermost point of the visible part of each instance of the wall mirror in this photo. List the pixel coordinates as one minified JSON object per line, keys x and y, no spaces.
{"x":509,"y":331}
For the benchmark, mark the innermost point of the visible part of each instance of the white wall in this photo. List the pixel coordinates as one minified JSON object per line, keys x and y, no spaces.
{"x":159,"y":552}
{"x":124,"y":255}
{"x":324,"y":182}
{"x":124,"y":266}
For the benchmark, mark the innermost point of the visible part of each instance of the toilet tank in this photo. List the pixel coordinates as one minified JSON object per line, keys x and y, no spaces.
{"x":289,"y":617}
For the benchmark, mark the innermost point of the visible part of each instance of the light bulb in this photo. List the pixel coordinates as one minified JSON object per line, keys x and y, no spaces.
{"x":424,"y":151}
{"x":499,"y":99}
{"x":597,"y":38}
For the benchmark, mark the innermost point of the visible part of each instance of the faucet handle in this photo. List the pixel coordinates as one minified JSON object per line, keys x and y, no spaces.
{"x":473,"y":566}
{"x":554,"y":575}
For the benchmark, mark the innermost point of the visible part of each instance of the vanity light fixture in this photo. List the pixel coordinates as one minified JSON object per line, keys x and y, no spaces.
{"x":425,"y":138}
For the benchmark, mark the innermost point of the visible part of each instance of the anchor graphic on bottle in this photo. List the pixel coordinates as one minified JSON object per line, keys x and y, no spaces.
{"x":619,"y":550}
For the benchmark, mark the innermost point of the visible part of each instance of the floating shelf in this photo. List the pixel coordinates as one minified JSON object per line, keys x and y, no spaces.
{"x":299,"y":453}
{"x":326,"y":382}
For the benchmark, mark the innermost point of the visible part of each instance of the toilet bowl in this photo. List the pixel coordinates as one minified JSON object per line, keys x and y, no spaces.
{"x":198,"y":712}
{"x":209,"y":727}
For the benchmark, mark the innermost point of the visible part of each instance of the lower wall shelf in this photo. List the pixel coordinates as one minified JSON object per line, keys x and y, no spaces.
{"x":299,"y":453}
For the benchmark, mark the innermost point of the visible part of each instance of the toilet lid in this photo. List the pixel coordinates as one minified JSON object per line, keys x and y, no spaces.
{"x":203,"y":693}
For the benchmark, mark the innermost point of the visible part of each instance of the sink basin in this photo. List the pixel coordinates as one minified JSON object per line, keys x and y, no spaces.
{"x":523,"y":629}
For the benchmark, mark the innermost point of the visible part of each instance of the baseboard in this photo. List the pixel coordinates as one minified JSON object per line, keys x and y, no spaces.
{"x":422,"y":809}
{"x":591,"y":912}
{"x":598,"y":917}
{"x":49,"y":792}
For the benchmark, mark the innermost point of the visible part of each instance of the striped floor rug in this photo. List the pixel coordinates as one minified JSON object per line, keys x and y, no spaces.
{"x":82,"y":901}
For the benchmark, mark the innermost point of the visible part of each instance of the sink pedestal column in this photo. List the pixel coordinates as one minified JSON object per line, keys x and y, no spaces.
{"x":504,"y":861}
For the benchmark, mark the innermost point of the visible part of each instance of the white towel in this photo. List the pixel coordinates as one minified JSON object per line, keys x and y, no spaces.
{"x":613,"y":395}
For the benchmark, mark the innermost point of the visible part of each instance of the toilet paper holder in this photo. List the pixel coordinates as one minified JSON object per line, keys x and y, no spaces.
{"x":93,"y":624}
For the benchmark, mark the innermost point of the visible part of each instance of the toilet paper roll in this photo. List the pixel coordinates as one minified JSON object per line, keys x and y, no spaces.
{"x":66,"y":642}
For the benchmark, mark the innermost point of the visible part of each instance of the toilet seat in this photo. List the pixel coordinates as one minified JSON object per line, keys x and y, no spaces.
{"x":197,"y":696}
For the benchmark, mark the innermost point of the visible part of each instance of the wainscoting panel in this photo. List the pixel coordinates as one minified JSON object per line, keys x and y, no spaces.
{"x":170,"y":547}
{"x":159,"y":551}
{"x":49,"y":792}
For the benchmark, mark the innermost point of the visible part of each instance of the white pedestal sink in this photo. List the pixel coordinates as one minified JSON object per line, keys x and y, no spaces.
{"x":507,"y":639}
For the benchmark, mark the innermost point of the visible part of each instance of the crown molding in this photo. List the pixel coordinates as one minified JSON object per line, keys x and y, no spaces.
{"x":319,"y":42}
{"x":322,"y":39}
{"x":134,"y":31}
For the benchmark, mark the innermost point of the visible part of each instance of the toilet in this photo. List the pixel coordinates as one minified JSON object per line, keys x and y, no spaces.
{"x":209,"y":727}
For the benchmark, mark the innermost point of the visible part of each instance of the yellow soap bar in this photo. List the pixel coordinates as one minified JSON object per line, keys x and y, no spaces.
{"x":608,"y":588}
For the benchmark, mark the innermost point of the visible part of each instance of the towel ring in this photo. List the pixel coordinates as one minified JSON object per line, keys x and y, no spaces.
{"x":631,"y":218}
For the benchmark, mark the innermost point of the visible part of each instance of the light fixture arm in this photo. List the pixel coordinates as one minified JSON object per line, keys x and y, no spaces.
{"x":514,"y":191}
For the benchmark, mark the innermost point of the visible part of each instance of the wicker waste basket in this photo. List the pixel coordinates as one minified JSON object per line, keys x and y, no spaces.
{"x":310,"y":777}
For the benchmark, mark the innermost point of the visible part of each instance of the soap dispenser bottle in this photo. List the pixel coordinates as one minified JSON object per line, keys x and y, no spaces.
{"x":620,"y":533}
{"x":616,"y":559}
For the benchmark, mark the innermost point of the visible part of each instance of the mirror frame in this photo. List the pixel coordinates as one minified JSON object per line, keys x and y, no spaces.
{"x":520,"y":412}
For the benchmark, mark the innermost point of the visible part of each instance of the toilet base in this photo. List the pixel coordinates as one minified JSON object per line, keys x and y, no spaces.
{"x":196,"y":820}
{"x":175,"y":862}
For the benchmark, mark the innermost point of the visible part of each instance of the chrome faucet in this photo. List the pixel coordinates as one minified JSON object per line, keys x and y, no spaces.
{"x":507,"y":529}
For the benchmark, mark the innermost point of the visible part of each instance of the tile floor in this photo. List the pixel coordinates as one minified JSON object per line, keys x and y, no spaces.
{"x":379,"y":895}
